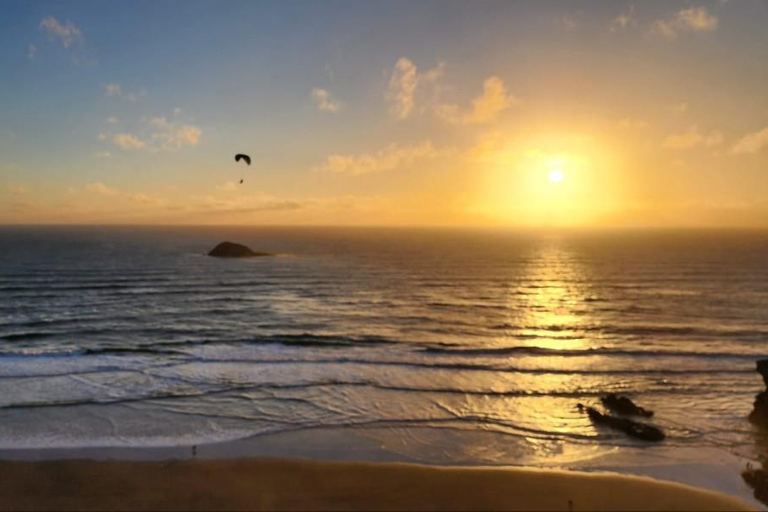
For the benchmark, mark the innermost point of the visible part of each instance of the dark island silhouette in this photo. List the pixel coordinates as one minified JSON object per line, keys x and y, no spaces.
{"x":233,"y":250}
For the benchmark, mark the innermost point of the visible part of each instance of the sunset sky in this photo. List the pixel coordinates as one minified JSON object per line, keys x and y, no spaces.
{"x":593,"y":113}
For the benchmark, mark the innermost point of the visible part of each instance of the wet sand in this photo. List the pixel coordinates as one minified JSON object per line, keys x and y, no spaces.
{"x":295,"y":484}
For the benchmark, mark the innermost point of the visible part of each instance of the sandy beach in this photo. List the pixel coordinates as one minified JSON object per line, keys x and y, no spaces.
{"x":294,"y":484}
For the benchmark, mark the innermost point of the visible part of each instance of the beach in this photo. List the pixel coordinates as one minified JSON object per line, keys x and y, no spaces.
{"x":295,"y":484}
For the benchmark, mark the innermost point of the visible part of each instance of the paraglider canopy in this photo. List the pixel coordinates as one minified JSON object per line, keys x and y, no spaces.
{"x":243,"y":157}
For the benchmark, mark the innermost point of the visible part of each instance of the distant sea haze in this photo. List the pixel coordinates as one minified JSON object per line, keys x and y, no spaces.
{"x":133,"y":337}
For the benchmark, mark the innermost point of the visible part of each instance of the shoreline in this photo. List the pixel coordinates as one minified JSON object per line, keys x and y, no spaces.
{"x":696,"y":468}
{"x":297,"y":484}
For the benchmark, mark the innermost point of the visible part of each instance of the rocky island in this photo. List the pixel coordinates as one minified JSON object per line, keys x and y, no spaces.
{"x":233,"y":250}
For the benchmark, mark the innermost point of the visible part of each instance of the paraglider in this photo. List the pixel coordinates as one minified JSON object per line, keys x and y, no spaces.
{"x":244,"y":158}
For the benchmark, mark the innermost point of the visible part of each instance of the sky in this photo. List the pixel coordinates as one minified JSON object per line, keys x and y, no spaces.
{"x":475,"y":113}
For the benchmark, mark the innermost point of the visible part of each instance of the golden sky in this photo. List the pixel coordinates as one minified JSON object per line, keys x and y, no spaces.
{"x":522,"y":114}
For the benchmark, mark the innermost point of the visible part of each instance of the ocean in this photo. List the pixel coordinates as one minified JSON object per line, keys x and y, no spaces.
{"x":445,"y":346}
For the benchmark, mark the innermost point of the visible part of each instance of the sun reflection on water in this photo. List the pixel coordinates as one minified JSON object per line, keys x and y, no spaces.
{"x":548,"y":302}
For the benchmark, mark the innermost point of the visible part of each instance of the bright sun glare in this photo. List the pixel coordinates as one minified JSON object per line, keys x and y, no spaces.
{"x":556,"y":176}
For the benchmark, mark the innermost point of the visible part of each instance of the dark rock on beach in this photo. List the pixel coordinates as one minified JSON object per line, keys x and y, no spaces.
{"x":623,"y":405}
{"x":233,"y":250}
{"x":759,"y":415}
{"x":757,"y":478}
{"x":630,"y":427}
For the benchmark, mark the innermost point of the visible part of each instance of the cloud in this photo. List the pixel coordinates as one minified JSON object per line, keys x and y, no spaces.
{"x":693,"y":19}
{"x":751,"y":143}
{"x":388,"y":159}
{"x":128,"y":141}
{"x":66,"y":34}
{"x":229,"y":186}
{"x":31,"y":51}
{"x":102,"y":154}
{"x":169,"y":136}
{"x":681,"y":108}
{"x":402,"y":88}
{"x":148,"y":199}
{"x":691,"y":139}
{"x":115,"y":90}
{"x":210,"y":204}
{"x":405,"y":83}
{"x":101,"y":189}
{"x":568,"y":22}
{"x":325,"y":101}
{"x":113,"y":120}
{"x":485,"y":108}
{"x":17,"y":189}
{"x":157,"y":134}
{"x":624,"y":20}
{"x":629,"y":123}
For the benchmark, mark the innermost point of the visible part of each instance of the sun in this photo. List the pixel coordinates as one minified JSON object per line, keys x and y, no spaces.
{"x":556,"y":176}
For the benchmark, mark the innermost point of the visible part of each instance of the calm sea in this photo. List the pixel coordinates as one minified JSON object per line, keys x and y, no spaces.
{"x":133,"y":337}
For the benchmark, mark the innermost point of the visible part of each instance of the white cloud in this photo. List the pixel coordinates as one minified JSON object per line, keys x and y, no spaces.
{"x":113,"y":120}
{"x":629,"y":123}
{"x":325,"y":101}
{"x":156,"y":134}
{"x":102,"y":154}
{"x":101,"y":189}
{"x":624,"y":20}
{"x":115,"y":90}
{"x":692,"y":19}
{"x":388,"y":159}
{"x":692,"y":138}
{"x":31,"y":51}
{"x":405,"y":83}
{"x":66,"y":34}
{"x":402,"y":88}
{"x":169,"y":136}
{"x":128,"y":141}
{"x":752,"y":142}
{"x":485,"y":108}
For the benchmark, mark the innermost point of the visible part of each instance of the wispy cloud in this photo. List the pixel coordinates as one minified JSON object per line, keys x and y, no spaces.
{"x":752,"y":142}
{"x":156,"y":134}
{"x":102,"y":154}
{"x":148,"y":199}
{"x":629,"y":123}
{"x":404,"y":84}
{"x":169,"y":135}
{"x":17,"y":190}
{"x":116,"y":90}
{"x":128,"y":141}
{"x":485,"y":108}
{"x":101,"y":189}
{"x":211,"y":204}
{"x":229,"y":186}
{"x":568,"y":22}
{"x":624,"y":20}
{"x":692,"y":19}
{"x":66,"y":34}
{"x":387,"y":159}
{"x":692,"y":138}
{"x":31,"y":51}
{"x":325,"y":101}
